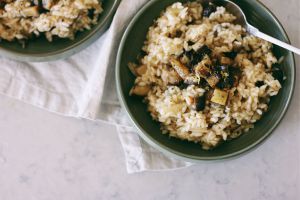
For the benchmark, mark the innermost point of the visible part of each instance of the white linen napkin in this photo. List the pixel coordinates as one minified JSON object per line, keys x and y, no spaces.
{"x":83,"y":86}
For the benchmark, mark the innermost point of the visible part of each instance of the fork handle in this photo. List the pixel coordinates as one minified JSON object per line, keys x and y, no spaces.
{"x":254,"y":31}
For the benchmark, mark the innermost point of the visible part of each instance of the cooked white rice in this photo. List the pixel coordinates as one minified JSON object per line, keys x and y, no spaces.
{"x":23,"y":19}
{"x":181,"y":28}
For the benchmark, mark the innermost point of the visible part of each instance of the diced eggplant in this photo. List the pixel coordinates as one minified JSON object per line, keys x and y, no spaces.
{"x":203,"y":71}
{"x":229,"y":76}
{"x":231,"y":81}
{"x":180,"y":68}
{"x":234,"y":70}
{"x":223,"y":72}
{"x":234,"y":76}
{"x":192,"y":56}
{"x":213,"y":80}
{"x":140,"y":90}
{"x":228,"y":82}
{"x":200,"y":103}
{"x":204,"y":50}
{"x":203,"y":83}
{"x":196,"y":56}
{"x":219,"y":97}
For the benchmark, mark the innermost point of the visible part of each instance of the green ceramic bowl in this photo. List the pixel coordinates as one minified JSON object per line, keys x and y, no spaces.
{"x":149,"y":130}
{"x":40,"y":50}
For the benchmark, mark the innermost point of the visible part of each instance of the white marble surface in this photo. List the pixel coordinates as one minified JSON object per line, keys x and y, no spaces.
{"x":48,"y":157}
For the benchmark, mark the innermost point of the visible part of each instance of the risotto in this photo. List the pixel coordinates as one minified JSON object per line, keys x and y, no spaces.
{"x":203,"y":77}
{"x":24,"y":19}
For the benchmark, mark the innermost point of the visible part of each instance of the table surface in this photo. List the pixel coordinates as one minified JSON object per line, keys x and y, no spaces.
{"x":44,"y":156}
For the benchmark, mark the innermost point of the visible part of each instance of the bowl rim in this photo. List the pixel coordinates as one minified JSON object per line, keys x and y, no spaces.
{"x":74,"y":48}
{"x":174,"y":153}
